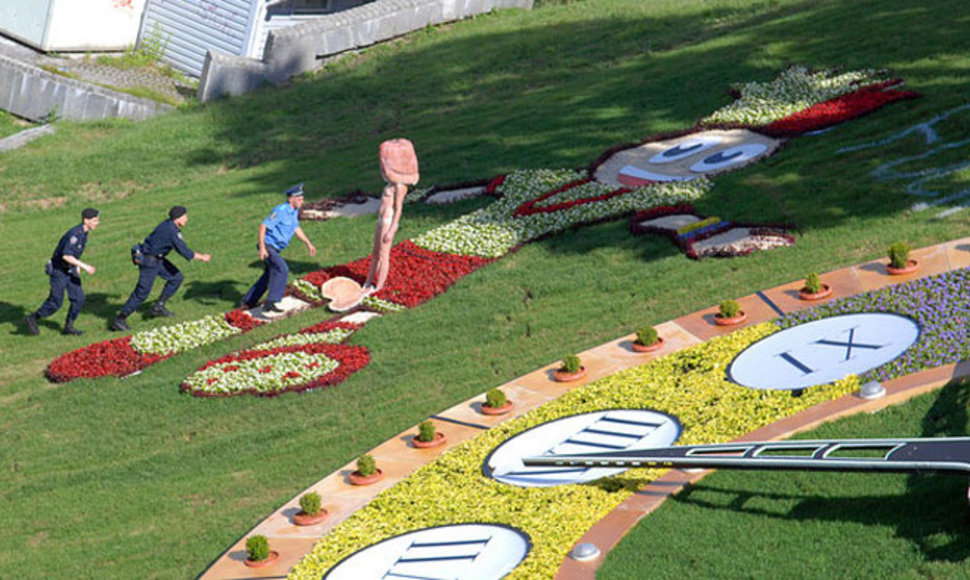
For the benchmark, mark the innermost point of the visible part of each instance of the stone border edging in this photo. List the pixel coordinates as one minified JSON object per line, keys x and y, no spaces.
{"x":463,"y":421}
{"x":33,"y":93}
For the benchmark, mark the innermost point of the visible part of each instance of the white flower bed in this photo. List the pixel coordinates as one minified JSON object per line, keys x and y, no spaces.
{"x":385,"y":306}
{"x":493,"y":231}
{"x":309,"y":289}
{"x":335,"y":336}
{"x":794,"y":90}
{"x":183,"y":336}
{"x":266,"y":374}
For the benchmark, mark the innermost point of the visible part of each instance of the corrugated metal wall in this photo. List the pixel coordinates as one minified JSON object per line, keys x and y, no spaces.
{"x":189,"y":28}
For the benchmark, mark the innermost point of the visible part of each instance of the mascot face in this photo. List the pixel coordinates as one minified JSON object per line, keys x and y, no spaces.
{"x":687,"y":157}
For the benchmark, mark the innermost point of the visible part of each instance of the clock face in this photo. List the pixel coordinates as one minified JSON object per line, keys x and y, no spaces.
{"x":465,"y":551}
{"x":822,"y":351}
{"x":703,"y":153}
{"x":615,"y":430}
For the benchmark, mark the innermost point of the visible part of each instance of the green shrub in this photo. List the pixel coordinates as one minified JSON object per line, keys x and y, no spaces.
{"x":426,"y":432}
{"x":813,"y":284}
{"x":571,"y":363}
{"x":729,"y":309}
{"x":257,"y":548}
{"x":366,"y":465}
{"x":310,"y":503}
{"x":899,"y":254}
{"x":647,"y":336}
{"x":495,"y":398}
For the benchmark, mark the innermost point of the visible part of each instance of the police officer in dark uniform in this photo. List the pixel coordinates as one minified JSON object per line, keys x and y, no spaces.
{"x":64,"y":271}
{"x":166,"y":237}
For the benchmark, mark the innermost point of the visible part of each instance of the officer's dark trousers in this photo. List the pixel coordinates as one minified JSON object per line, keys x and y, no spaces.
{"x":151,"y":267}
{"x":275,"y":272}
{"x":60,"y":281}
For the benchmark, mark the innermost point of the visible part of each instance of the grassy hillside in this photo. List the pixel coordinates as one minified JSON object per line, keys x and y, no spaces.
{"x":127,"y":478}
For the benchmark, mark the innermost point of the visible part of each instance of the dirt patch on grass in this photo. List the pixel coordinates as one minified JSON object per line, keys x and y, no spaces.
{"x":38,"y":539}
{"x":98,"y":191}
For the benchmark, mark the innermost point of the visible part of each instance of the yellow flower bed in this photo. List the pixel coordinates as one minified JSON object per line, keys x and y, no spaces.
{"x":691,"y":385}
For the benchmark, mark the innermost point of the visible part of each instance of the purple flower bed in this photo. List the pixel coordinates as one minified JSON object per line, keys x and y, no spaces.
{"x":939,"y":304}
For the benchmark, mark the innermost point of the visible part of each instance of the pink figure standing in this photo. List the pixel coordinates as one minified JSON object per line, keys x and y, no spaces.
{"x":399,"y":167}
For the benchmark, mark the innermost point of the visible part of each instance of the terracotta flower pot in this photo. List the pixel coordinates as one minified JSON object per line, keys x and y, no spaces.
{"x":637,"y":347}
{"x":825,"y":292}
{"x":357,"y":479}
{"x":486,"y":410}
{"x":271,"y":559}
{"x":437,"y":440}
{"x":304,"y":519}
{"x":564,"y":377}
{"x":910,"y":267}
{"x":731,"y":321}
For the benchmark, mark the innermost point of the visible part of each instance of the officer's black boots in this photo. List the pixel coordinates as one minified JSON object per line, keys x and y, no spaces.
{"x":31,"y":321}
{"x":158,"y":309}
{"x":69,"y":329}
{"x":119,"y":323}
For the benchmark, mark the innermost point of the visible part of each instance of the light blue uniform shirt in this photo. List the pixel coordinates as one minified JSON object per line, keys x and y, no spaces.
{"x":280,"y":225}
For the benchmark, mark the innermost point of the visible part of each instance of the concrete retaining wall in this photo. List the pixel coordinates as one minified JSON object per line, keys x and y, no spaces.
{"x":35,"y":94}
{"x":298,"y":49}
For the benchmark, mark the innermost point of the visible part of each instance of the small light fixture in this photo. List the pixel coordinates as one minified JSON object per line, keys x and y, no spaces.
{"x":585,"y":552}
{"x":872,"y":390}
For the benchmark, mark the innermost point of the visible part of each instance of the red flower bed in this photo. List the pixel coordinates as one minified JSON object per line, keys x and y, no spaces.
{"x":109,"y":358}
{"x":494,"y":184}
{"x":416,"y":274}
{"x":328,"y":326}
{"x":837,"y":110}
{"x":350,"y":358}
{"x":244,"y":322}
{"x":531,"y":207}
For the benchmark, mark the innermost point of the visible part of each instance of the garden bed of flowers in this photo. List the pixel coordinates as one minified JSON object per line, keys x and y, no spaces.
{"x":516,"y":218}
{"x":759,"y":236}
{"x":309,"y":359}
{"x":416,"y":276}
{"x":123,"y":356}
{"x":690,"y":384}
{"x":113,"y":357}
{"x":939,"y":304}
{"x":794,"y":91}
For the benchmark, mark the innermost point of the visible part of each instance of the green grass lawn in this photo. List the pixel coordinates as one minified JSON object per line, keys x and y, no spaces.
{"x":127,"y":478}
{"x":9,"y":124}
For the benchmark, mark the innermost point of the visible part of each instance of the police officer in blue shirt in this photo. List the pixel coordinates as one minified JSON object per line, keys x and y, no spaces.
{"x":166,"y":237}
{"x":64,"y":271}
{"x":275,"y":234}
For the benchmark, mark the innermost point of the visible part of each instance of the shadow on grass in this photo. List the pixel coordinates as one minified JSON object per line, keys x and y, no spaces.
{"x":13,"y":314}
{"x":537,"y":95}
{"x":213,"y":292}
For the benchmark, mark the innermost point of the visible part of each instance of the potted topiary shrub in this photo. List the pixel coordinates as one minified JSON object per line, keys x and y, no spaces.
{"x":899,"y":261}
{"x":496,"y":403}
{"x":427,"y":436}
{"x":571,"y":369}
{"x":814,"y":289}
{"x":729,"y":313}
{"x":310,"y":510}
{"x":258,"y":553}
{"x":647,"y":340}
{"x":367,"y":472}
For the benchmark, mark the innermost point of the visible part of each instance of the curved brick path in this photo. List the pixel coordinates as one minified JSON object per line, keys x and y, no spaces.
{"x":398,"y":458}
